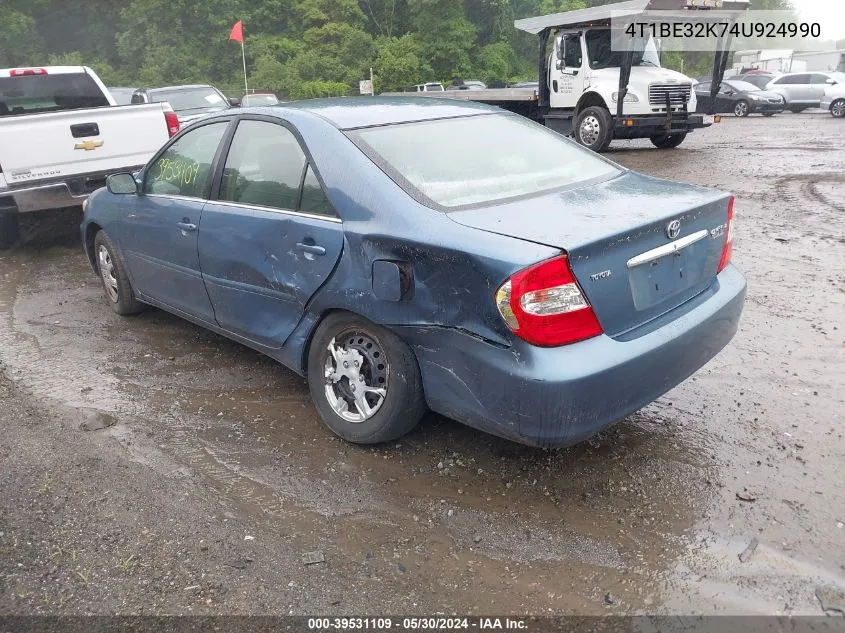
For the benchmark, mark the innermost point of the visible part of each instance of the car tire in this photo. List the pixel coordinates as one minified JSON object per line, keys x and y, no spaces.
{"x":768,"y":113}
{"x":594,"y":128}
{"x":9,"y":230}
{"x":742,"y":108}
{"x":797,"y":110}
{"x":384,"y":359}
{"x":112,"y":272}
{"x":668,"y":141}
{"x":837,"y":108}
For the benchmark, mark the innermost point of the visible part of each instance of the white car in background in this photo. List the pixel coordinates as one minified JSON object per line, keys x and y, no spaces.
{"x":834,"y":99}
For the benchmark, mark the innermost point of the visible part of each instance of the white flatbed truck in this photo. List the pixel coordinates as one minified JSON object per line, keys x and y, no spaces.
{"x":597,"y":94}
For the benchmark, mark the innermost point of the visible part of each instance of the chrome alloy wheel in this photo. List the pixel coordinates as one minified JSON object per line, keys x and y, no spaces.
{"x":741,"y":109}
{"x":837,"y":109}
{"x":107,"y":272}
{"x":356,"y":376}
{"x":590,"y":130}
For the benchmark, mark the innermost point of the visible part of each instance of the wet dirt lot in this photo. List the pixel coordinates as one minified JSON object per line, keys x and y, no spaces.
{"x":213,"y":477}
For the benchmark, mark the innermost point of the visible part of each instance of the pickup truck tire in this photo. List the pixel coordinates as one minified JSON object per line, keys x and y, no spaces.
{"x":349,"y":359}
{"x":594,"y":128}
{"x":9,"y":230}
{"x":113,"y":276}
{"x":668,"y":141}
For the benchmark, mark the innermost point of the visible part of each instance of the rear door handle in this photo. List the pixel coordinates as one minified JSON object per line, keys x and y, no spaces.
{"x":311,"y":248}
{"x":187,"y":226}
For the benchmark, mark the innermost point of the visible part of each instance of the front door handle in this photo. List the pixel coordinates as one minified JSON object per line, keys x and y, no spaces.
{"x":187,"y":226}
{"x":313,"y":249}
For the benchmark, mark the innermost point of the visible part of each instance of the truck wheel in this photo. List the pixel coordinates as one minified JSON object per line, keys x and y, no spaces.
{"x":741,"y":108}
{"x":837,"y":108}
{"x":364,"y":380}
{"x":113,"y":275}
{"x":594,"y":128}
{"x":668,"y":141}
{"x":9,"y":230}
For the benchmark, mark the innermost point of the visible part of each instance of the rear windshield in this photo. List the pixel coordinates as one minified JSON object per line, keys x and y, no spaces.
{"x":479,"y":159}
{"x":31,"y":94}
{"x":191,"y":99}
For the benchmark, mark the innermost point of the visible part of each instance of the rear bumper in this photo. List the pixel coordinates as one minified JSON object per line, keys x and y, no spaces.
{"x":644,"y":126}
{"x":70,"y":192}
{"x":561,"y":396}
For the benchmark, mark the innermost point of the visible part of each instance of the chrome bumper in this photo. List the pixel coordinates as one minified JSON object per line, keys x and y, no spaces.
{"x":44,"y":197}
{"x":71,"y":192}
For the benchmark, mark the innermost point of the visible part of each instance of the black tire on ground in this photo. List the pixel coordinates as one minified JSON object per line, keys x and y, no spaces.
{"x":837,"y":108}
{"x":384,"y":360}
{"x":113,"y":276}
{"x":668,"y":141}
{"x":9,"y":230}
{"x":594,"y":128}
{"x":769,"y":113}
{"x":741,"y":108}
{"x":797,"y":110}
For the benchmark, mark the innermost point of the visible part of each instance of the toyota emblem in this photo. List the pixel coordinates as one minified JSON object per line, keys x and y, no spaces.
{"x":673,"y":229}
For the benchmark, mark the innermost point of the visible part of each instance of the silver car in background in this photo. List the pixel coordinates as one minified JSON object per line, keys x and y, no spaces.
{"x":804,"y":90}
{"x":834,"y":99}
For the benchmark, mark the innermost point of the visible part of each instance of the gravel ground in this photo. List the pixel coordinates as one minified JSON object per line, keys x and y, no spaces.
{"x":148,"y":466}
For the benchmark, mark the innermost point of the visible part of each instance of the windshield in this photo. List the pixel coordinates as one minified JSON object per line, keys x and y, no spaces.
{"x":602,"y":55}
{"x":742,"y":86}
{"x":489,"y":158}
{"x":49,"y":93}
{"x":259,"y":100}
{"x":187,"y":99}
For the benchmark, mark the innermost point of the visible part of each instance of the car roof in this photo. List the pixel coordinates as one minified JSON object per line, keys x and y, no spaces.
{"x":356,"y":112}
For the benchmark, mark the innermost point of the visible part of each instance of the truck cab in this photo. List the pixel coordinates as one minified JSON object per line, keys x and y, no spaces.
{"x":583,"y":78}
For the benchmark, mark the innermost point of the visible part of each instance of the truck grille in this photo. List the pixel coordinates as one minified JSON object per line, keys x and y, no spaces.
{"x":678,"y":93}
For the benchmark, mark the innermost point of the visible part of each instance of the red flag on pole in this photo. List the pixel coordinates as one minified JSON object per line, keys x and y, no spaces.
{"x":237,"y":34}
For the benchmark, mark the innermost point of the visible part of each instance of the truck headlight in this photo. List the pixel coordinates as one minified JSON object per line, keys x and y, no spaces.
{"x":629,"y":98}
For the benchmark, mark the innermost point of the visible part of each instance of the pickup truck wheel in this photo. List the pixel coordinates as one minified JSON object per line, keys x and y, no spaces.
{"x":9,"y":230}
{"x":594,"y":128}
{"x":668,"y":141}
{"x":113,"y":276}
{"x":364,"y":380}
{"x":837,"y":108}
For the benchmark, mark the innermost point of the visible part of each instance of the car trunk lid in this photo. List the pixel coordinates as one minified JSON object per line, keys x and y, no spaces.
{"x":638,"y":246}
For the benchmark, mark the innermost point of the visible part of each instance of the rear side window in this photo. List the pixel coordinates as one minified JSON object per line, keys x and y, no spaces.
{"x":31,"y":94}
{"x":264,"y":167}
{"x":314,"y":199}
{"x":185,"y":167}
{"x":479,"y":159}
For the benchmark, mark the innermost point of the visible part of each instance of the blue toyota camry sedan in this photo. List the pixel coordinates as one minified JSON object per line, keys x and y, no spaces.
{"x":411,"y":254}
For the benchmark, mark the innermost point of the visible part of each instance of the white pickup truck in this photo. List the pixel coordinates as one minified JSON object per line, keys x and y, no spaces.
{"x":61,"y":134}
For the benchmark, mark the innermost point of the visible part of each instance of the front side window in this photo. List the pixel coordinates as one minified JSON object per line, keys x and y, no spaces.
{"x":264,"y":167}
{"x":184,"y":168}
{"x":818,"y":79}
{"x":491,"y":157}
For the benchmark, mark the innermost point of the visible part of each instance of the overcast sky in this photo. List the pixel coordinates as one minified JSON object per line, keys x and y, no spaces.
{"x":829,"y":13}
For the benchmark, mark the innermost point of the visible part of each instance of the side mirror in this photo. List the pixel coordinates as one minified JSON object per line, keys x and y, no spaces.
{"x":831,"y":82}
{"x":234,"y":102}
{"x":122,"y":184}
{"x":560,"y":48}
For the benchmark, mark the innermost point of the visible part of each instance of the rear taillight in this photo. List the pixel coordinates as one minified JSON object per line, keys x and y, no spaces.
{"x":728,"y":248}
{"x":544,"y":306}
{"x":172,"y":123}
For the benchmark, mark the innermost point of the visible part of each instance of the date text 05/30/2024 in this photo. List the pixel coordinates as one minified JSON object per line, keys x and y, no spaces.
{"x":417,"y":624}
